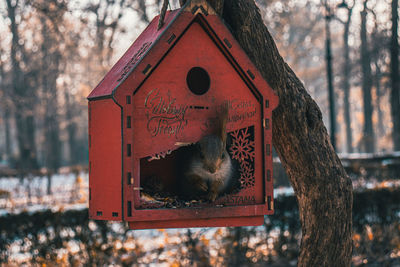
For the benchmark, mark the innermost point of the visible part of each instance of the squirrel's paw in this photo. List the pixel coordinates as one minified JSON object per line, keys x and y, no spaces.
{"x":202,"y":186}
{"x":212,"y":196}
{"x":199,"y":184}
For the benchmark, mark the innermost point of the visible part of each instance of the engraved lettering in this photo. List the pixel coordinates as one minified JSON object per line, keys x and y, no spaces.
{"x":164,"y":116}
{"x":237,"y":200}
{"x":239,"y":110}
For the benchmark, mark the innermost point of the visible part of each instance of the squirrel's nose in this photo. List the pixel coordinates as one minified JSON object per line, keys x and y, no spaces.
{"x":212,"y":169}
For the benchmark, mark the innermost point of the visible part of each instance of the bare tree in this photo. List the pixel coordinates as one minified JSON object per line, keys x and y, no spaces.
{"x":71,"y":127}
{"x":49,"y":74}
{"x":378,"y":56}
{"x":107,"y":19}
{"x":394,"y":66}
{"x":346,"y":73}
{"x":51,"y":65}
{"x":6,"y":107}
{"x":22,"y":95}
{"x":368,"y":142}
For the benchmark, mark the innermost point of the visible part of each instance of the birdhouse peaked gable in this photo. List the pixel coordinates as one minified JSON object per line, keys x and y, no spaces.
{"x":130,"y":60}
{"x":154,"y":44}
{"x":147,"y":104}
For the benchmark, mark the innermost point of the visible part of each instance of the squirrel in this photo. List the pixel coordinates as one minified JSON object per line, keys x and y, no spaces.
{"x":205,"y":168}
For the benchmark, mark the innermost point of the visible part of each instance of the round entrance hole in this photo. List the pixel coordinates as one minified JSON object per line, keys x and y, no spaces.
{"x":198,"y":80}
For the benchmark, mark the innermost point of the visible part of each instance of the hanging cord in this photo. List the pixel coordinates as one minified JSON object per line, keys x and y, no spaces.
{"x":162,"y":14}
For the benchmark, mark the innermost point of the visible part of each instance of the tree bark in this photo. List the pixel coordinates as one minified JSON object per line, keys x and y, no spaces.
{"x":394,"y":67}
{"x":322,"y":187}
{"x":368,"y":129}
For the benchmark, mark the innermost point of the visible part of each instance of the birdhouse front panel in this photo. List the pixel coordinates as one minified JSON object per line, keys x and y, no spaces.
{"x":168,"y":112}
{"x":195,"y":128}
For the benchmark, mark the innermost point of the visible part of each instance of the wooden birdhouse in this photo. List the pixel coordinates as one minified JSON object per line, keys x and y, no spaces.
{"x":163,"y":96}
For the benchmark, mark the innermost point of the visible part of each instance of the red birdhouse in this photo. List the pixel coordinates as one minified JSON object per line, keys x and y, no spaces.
{"x":149,"y":119}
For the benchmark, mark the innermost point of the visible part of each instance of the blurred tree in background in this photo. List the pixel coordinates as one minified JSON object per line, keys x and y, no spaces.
{"x":54,"y":52}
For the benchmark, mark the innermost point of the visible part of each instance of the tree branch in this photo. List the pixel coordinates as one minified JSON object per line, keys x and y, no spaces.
{"x":218,"y":6}
{"x":162,"y":14}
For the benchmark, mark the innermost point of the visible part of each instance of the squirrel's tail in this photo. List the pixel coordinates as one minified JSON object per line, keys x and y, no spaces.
{"x":222,"y":120}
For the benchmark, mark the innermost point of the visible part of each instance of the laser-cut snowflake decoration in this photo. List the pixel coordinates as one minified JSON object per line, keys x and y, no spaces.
{"x":242,"y":150}
{"x":242,"y":147}
{"x":247,"y":178}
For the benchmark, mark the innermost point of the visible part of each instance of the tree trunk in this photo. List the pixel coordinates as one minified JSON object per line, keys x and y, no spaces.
{"x":71,"y":129}
{"x":25,"y":123}
{"x":394,"y":66}
{"x":195,"y":253}
{"x":368,"y":132}
{"x":236,"y":259}
{"x":322,"y":187}
{"x":22,"y":100}
{"x":346,"y":82}
{"x":49,"y":182}
{"x":50,"y":72}
{"x":379,"y":94}
{"x":7,"y":126}
{"x":6,"y":110}
{"x":329,"y":78}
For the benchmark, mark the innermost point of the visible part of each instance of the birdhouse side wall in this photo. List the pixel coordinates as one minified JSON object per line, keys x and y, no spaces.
{"x":105,"y":163}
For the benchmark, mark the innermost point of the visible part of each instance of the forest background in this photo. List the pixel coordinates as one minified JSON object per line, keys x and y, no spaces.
{"x":53,"y":53}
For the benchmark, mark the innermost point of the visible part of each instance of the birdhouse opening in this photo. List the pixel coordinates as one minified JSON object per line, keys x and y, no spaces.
{"x":161,"y":177}
{"x":198,"y":81}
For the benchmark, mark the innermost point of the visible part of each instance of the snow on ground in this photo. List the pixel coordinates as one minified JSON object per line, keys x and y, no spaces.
{"x":377,"y":155}
{"x":68,"y":191}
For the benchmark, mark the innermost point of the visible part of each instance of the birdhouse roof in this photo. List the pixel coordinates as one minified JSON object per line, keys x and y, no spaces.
{"x":153,"y":44}
{"x":135,"y":53}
